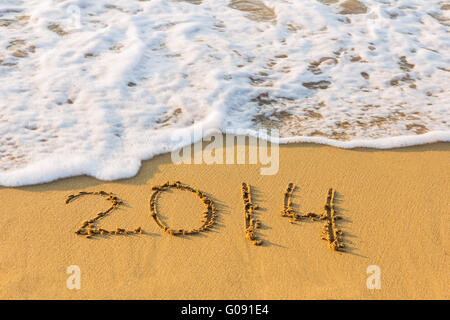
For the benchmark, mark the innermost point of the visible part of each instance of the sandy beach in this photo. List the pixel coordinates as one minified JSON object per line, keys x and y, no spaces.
{"x":351,"y":203}
{"x":393,"y":203}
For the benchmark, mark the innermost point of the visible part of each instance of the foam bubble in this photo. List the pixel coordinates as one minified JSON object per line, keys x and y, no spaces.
{"x":94,"y":87}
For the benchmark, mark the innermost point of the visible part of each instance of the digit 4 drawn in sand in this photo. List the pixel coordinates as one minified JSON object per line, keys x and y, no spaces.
{"x":330,"y":232}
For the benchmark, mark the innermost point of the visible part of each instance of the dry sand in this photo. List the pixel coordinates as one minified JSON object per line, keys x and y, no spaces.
{"x":394,"y":204}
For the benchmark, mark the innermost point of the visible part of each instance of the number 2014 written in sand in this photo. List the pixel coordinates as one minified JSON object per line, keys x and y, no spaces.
{"x":330,"y":231}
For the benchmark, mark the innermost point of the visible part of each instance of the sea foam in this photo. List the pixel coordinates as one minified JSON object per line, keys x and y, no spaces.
{"x":95,"y":87}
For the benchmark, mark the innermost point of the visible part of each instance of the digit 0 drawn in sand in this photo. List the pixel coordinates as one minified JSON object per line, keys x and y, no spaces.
{"x":330,"y":232}
{"x":88,"y":228}
{"x":251,"y":224}
{"x":209,"y":215}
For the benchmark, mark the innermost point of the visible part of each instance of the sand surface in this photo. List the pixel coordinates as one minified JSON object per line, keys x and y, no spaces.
{"x":394,"y":205}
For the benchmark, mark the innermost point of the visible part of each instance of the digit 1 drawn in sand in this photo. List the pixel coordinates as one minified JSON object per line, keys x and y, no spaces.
{"x":209,"y":215}
{"x":251,"y":224}
{"x":330,"y":231}
{"x":88,"y":227}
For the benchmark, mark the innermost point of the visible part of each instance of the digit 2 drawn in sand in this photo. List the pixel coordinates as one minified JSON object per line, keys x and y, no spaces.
{"x":88,"y":227}
{"x":330,"y":232}
{"x":208,"y":216}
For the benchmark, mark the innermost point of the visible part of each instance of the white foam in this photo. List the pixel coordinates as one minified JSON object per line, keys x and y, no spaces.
{"x":97,"y":93}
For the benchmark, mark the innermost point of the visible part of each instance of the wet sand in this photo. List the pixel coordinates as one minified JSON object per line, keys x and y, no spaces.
{"x":393,"y":204}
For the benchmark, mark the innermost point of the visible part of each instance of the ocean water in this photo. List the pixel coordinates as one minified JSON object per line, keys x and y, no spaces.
{"x":94,"y":87}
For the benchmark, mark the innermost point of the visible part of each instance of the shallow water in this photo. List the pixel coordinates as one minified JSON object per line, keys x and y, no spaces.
{"x":255,"y":10}
{"x":110,"y":82}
